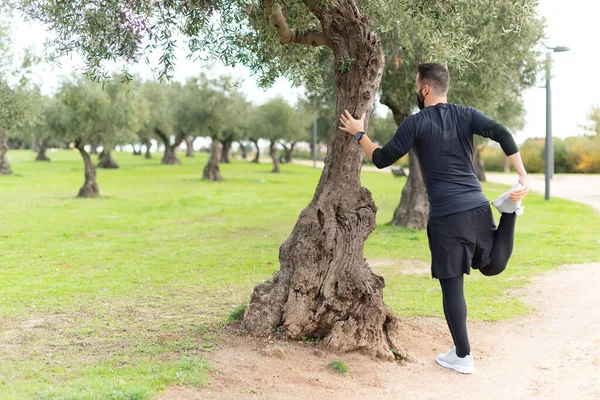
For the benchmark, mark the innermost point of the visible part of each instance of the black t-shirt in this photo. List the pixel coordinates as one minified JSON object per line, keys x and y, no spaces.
{"x":442,"y":137}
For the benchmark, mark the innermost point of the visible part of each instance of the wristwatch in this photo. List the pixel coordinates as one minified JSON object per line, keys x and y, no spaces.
{"x":359,"y":135}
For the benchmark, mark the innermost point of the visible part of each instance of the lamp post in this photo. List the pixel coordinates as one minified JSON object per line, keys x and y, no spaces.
{"x":549,"y":159}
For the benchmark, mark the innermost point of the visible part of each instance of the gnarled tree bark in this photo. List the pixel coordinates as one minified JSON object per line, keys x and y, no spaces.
{"x":4,"y":165}
{"x":170,"y":156}
{"x":325,"y":289}
{"x":257,"y":155}
{"x":274,"y":156}
{"x":211,"y":171}
{"x":90,"y":186}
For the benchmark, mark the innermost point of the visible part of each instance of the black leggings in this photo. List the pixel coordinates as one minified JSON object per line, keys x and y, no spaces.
{"x":455,"y":306}
{"x":455,"y":310}
{"x":504,"y":240}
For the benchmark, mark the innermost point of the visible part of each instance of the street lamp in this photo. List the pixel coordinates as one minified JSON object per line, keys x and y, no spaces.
{"x":549,"y":159}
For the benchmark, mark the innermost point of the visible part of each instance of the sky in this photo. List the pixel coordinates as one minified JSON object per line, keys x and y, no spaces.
{"x":575,"y":84}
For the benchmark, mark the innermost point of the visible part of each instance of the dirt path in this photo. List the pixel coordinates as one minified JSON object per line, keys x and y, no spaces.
{"x":552,"y":354}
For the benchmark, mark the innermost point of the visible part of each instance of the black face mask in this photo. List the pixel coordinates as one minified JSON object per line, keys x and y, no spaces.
{"x":420,"y":101}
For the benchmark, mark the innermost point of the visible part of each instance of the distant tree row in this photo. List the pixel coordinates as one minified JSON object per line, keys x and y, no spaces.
{"x":90,"y":115}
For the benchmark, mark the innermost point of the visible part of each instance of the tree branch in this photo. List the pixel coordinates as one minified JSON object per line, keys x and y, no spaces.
{"x":306,"y":37}
{"x":178,"y":139}
{"x":163,"y":136}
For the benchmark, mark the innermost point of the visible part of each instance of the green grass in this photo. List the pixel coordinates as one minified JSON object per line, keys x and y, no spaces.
{"x":122,"y":295}
{"x":339,"y":367}
{"x":237,"y":314}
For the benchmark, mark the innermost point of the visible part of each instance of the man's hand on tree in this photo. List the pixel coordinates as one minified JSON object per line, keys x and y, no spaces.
{"x":350,"y":125}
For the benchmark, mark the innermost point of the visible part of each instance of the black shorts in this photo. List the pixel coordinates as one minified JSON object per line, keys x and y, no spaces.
{"x":461,"y":241}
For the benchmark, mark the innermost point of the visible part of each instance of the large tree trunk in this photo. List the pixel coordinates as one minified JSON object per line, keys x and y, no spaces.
{"x":42,"y":146}
{"x":243,"y":149}
{"x":226,"y":150}
{"x":257,"y":156}
{"x":211,"y":171}
{"x":148,"y":145}
{"x":189,"y":144}
{"x":4,"y":165}
{"x":170,"y":156}
{"x":478,"y":163}
{"x":90,"y":186}
{"x":274,"y":156}
{"x":325,"y":289}
{"x":413,"y":210}
{"x":106,"y":160}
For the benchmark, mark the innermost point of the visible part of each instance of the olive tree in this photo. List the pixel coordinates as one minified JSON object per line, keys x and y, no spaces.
{"x":78,"y":117}
{"x":324,"y":288}
{"x":124,"y":115}
{"x":276,"y":120}
{"x":160,"y":98}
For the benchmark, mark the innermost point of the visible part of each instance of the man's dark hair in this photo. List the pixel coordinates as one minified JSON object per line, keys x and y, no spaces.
{"x":436,"y":76}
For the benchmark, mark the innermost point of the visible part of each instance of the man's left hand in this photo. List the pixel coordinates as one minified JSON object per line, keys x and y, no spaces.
{"x":350,"y":125}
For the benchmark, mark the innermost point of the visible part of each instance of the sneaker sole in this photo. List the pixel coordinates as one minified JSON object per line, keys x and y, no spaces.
{"x":457,"y":368}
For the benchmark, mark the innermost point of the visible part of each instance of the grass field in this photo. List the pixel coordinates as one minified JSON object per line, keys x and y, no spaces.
{"x":119,"y":297}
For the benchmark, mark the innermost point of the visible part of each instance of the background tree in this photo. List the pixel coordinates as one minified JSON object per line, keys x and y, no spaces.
{"x":504,"y":62}
{"x":121,"y":119}
{"x":41,"y":135}
{"x":325,"y":288}
{"x":236,"y":123}
{"x":19,"y":99}
{"x":304,"y":115}
{"x":18,"y":108}
{"x":507,"y":46}
{"x":219,"y":115}
{"x":276,"y":120}
{"x":187,"y":106}
{"x":78,"y":117}
{"x":161,"y":121}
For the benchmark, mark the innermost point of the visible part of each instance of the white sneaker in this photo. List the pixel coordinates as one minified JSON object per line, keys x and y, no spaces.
{"x":506,"y":205}
{"x":450,"y":360}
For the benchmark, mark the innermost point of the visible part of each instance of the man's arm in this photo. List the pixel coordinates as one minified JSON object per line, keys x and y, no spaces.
{"x":517,"y":162}
{"x":368,"y":146}
{"x":484,"y":126}
{"x":397,"y":147}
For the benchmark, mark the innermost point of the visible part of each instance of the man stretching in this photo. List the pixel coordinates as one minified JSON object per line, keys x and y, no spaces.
{"x":461,"y":228}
